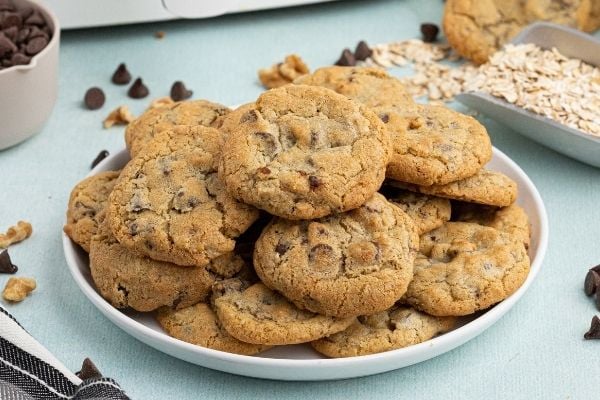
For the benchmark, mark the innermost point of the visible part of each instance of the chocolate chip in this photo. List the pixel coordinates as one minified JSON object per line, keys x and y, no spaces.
{"x":36,"y":45}
{"x":594,"y":331}
{"x":20,"y":59}
{"x":11,"y":33}
{"x":429,"y":32}
{"x":264,"y":170}
{"x":385,"y":118}
{"x":94,"y":98}
{"x":250,"y":116}
{"x":101,"y":156}
{"x":346,"y":59}
{"x":22,"y":35}
{"x":25,"y":12}
{"x":35,"y":19}
{"x":592,"y":280}
{"x":6,"y":5}
{"x":597,"y":299}
{"x":11,"y":19}
{"x":6,"y":45}
{"x":363,"y":51}
{"x":36,"y":32}
{"x":121,"y":76}
{"x":281,"y":248}
{"x":6,"y":265}
{"x":88,"y":371}
{"x":319,"y":248}
{"x":596,"y":268}
{"x":180,"y":92}
{"x":138,"y":90}
{"x":314,"y":182}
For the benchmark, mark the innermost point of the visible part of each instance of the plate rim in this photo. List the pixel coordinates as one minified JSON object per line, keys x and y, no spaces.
{"x":446,"y":341}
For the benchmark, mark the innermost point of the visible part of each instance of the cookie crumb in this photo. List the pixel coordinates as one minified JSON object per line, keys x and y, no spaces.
{"x":15,"y":234}
{"x":161,"y":102}
{"x":159,"y":34}
{"x":119,"y":116}
{"x":18,"y":288}
{"x":283,"y":73}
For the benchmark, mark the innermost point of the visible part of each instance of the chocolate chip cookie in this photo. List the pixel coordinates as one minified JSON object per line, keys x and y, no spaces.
{"x":348,"y":264}
{"x":199,"y":325}
{"x":169,"y":204}
{"x":195,"y":112}
{"x":465,"y":267}
{"x":88,"y":198}
{"x":485,"y":187}
{"x":303,"y":152}
{"x":127,"y":279}
{"x":398,"y":327}
{"x":259,"y":315}
{"x":427,"y":212}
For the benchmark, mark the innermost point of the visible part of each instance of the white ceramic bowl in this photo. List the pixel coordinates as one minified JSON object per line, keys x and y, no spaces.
{"x":28,"y":92}
{"x":301,"y":362}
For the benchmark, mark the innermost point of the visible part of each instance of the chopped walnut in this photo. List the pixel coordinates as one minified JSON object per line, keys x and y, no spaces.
{"x":18,"y":288}
{"x":119,"y":116}
{"x":283,"y":73}
{"x":15,"y":234}
{"x":161,"y":102}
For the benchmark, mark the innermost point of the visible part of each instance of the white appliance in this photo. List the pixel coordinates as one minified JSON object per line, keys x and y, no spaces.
{"x":88,"y":13}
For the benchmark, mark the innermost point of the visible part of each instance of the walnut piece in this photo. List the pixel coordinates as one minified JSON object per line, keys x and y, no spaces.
{"x":161,"y":102}
{"x":15,"y":234}
{"x":119,"y":116}
{"x":18,"y":288}
{"x":283,"y":73}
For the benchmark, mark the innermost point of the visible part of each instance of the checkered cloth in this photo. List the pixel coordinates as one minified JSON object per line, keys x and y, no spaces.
{"x":28,"y":371}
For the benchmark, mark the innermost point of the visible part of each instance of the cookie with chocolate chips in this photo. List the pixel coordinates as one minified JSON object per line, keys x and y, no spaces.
{"x":88,"y":199}
{"x":354,"y":263}
{"x":146,"y":126}
{"x":257,"y":314}
{"x":464,"y":267}
{"x":398,"y":327}
{"x":169,"y":204}
{"x":127,"y":279}
{"x":303,"y":152}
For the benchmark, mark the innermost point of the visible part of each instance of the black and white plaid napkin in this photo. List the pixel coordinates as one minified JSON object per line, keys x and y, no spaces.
{"x":28,"y":371}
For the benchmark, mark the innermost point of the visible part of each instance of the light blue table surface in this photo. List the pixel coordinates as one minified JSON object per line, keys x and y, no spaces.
{"x":535,"y":351}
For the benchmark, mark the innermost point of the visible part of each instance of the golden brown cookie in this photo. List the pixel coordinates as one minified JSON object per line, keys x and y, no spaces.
{"x":398,"y":327}
{"x":169,"y":204}
{"x":88,"y":199}
{"x":593,"y":22}
{"x":259,"y":315}
{"x":348,"y":264}
{"x":465,"y":267}
{"x":199,"y":325}
{"x":512,"y":219}
{"x":127,"y":279}
{"x":485,"y":187}
{"x":427,"y":212}
{"x":155,"y":120}
{"x":303,"y":152}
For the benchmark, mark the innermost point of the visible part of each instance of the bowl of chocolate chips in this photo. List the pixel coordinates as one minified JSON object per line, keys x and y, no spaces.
{"x":29,"y":39}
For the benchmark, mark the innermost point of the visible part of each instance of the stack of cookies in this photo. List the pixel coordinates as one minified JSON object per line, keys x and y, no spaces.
{"x":333,"y":211}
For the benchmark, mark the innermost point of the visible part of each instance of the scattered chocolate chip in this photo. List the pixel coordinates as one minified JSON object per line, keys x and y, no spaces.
{"x":346,"y":59}
{"x":314,"y":182}
{"x":385,"y":118}
{"x":121,"y":76}
{"x":594,"y":331}
{"x":6,"y":265}
{"x":11,"y":19}
{"x":159,"y":34}
{"x":36,"y":45}
{"x":429,"y":32}
{"x":6,"y":45}
{"x":596,"y":268}
{"x":250,"y":116}
{"x":592,"y":280}
{"x":88,"y":371}
{"x":281,"y":248}
{"x":597,"y":299}
{"x":363,"y":51}
{"x":138,"y":90}
{"x":101,"y":156}
{"x":20,"y":59}
{"x":180,"y":92}
{"x":94,"y":98}
{"x":35,"y":19}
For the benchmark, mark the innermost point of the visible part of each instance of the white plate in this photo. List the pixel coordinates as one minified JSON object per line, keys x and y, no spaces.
{"x":300,"y":362}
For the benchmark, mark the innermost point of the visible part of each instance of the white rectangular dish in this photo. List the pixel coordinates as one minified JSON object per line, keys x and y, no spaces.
{"x":561,"y":138}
